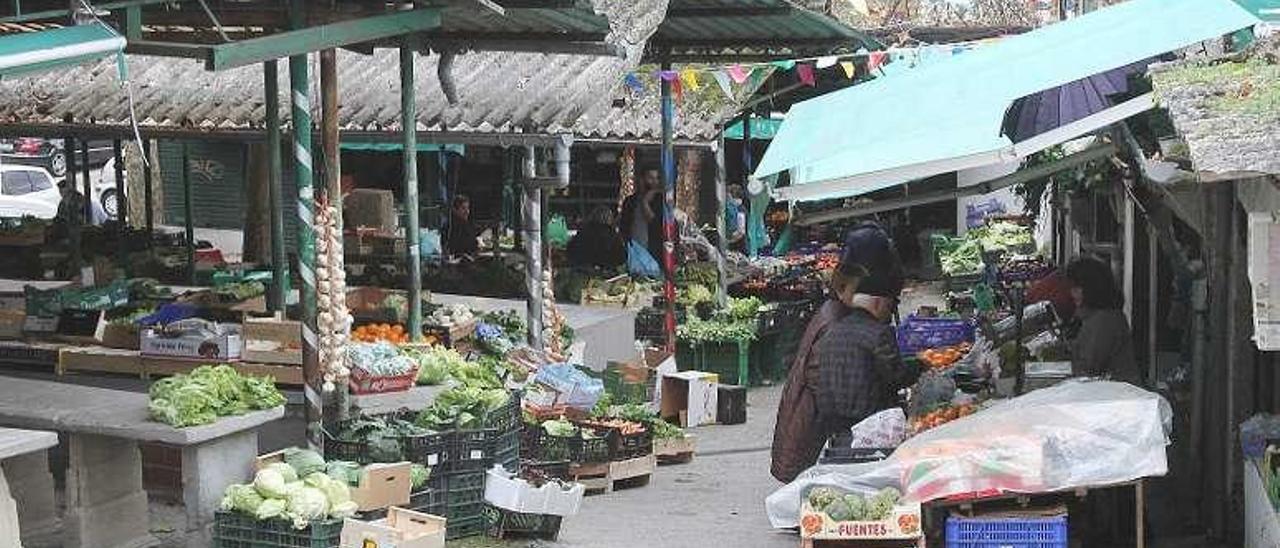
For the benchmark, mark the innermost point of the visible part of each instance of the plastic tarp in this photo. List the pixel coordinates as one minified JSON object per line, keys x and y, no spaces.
{"x":946,"y":116}
{"x":1079,"y":433}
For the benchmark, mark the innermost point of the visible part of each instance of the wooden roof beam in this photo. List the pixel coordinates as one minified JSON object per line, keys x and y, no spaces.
{"x":297,"y":42}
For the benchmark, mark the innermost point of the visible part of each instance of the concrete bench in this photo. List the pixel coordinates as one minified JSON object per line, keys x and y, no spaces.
{"x":17,"y":446}
{"x":105,"y":503}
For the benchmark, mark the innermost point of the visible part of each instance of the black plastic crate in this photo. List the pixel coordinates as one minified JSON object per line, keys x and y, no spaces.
{"x":464,"y":528}
{"x":465,"y":488}
{"x":429,"y":450}
{"x":236,"y":530}
{"x":542,"y":446}
{"x":634,"y":445}
{"x":507,"y":450}
{"x":549,"y":469}
{"x":464,"y":512}
{"x":503,"y":524}
{"x":427,"y":501}
{"x":507,"y":417}
{"x":469,"y":450}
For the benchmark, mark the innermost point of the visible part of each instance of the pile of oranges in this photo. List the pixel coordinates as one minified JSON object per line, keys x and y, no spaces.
{"x":942,"y":358}
{"x":941,"y":416}
{"x":374,"y":332}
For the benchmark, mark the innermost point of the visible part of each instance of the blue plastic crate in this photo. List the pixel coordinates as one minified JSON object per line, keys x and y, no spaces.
{"x":918,"y":333}
{"x":1007,"y":532}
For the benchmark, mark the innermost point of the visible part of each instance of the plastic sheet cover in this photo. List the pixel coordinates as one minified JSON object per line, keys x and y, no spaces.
{"x":1079,"y":433}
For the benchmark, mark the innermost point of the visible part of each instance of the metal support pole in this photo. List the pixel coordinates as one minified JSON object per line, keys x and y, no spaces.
{"x":146,"y":192}
{"x":722,"y":239}
{"x":1129,"y":251}
{"x":668,"y":210}
{"x":313,"y":376}
{"x":329,"y":130}
{"x":122,"y":195}
{"x":409,"y":130}
{"x":1153,"y":279}
{"x":74,"y":221}
{"x":753,"y":246}
{"x":275,"y":190}
{"x":86,"y":183}
{"x":187,"y":213}
{"x":531,"y":213}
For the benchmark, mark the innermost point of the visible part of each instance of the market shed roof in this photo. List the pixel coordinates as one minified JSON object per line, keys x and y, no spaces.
{"x":735,"y":30}
{"x":499,"y":94}
{"x":1227,"y":110}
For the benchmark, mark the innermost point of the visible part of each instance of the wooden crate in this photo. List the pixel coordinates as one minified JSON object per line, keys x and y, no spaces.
{"x":287,"y":375}
{"x":272,"y":340}
{"x":675,"y":450}
{"x":608,"y":477}
{"x":100,"y":359}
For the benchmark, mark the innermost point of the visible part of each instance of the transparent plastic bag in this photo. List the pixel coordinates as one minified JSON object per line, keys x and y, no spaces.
{"x":1078,"y":433}
{"x":884,"y":429}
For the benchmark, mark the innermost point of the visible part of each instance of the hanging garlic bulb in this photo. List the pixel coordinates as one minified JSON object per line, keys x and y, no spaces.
{"x":333,"y":320}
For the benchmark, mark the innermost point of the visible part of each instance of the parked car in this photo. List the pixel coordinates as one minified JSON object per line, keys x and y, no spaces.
{"x":28,"y":191}
{"x":49,"y":153}
{"x":105,"y":191}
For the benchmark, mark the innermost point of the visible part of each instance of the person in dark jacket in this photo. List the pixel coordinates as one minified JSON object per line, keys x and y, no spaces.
{"x":462,"y":232}
{"x":860,"y":369}
{"x":642,"y":214}
{"x":1103,"y":347}
{"x":597,"y":244}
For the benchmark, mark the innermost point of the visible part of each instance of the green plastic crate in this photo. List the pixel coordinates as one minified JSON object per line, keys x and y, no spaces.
{"x":729,"y":360}
{"x":236,"y":530}
{"x":504,"y":524}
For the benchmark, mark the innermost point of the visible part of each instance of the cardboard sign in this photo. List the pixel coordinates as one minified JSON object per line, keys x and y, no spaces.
{"x":903,"y":523}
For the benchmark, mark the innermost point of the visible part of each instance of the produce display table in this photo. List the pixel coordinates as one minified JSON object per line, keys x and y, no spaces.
{"x":106,"y":505}
{"x":19,"y":448}
{"x":608,"y":332}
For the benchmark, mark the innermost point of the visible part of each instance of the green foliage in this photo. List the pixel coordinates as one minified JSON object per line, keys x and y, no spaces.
{"x":209,"y":392}
{"x":695,"y":330}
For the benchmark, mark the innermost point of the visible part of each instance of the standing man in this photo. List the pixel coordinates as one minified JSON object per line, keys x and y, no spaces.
{"x":462,"y":233}
{"x":642,"y":214}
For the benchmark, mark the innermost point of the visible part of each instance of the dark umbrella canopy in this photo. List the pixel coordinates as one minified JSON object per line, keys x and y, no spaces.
{"x":1053,"y":108}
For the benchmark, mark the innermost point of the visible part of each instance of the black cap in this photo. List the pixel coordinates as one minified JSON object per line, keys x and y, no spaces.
{"x":869,"y":252}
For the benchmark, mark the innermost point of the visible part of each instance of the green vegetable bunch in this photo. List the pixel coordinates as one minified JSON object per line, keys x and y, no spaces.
{"x":297,"y":490}
{"x":209,"y":392}
{"x":852,"y":506}
{"x":659,"y":427}
{"x":745,"y":309}
{"x":716,"y":330}
{"x":463,"y":408}
{"x":384,"y":436}
{"x":694,"y":294}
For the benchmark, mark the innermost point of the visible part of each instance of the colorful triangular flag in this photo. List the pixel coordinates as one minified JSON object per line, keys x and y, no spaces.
{"x":689,"y":79}
{"x":725,"y":85}
{"x":850,"y":69}
{"x":874,"y":60}
{"x":784,"y":65}
{"x":668,"y":75}
{"x":677,"y":90}
{"x":805,"y":72}
{"x":757,"y":78}
{"x":634,"y":83}
{"x":826,"y":62}
{"x":739,"y":74}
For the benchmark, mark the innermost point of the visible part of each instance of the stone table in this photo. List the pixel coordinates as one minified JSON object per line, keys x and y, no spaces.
{"x":106,"y":505}
{"x":17,"y":447}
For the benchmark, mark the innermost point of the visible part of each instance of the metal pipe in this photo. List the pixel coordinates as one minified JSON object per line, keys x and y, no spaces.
{"x":722,"y":239}
{"x":187,"y":213}
{"x":275,"y":189}
{"x":668,"y":210}
{"x":86,"y":183}
{"x":313,"y":376}
{"x":122,"y":196}
{"x":147,"y":192}
{"x":408,"y":125}
{"x":74,"y":221}
{"x":531,"y":213}
{"x":1153,"y":265}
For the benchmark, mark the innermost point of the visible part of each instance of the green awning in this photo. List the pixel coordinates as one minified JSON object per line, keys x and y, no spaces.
{"x":375,"y":146}
{"x":47,"y":49}
{"x":947,"y":115}
{"x":762,"y":129}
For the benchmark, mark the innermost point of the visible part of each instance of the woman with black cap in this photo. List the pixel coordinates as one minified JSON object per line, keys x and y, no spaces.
{"x":848,"y":336}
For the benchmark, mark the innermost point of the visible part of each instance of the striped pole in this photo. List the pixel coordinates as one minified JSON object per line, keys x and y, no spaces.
{"x":300,"y":85}
{"x":669,"y":210}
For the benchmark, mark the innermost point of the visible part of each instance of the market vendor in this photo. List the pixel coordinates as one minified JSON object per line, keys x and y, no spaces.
{"x":1103,"y":347}
{"x":642,"y":214}
{"x":462,"y":233}
{"x":735,"y":216}
{"x":597,"y":244}
{"x":860,"y":369}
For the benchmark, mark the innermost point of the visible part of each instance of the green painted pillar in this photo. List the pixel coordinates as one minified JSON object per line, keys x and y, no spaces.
{"x":313,"y":376}
{"x":408,"y":125}
{"x":279,"y":259}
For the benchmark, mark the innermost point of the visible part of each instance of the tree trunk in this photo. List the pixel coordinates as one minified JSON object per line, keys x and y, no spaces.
{"x":257,"y":219}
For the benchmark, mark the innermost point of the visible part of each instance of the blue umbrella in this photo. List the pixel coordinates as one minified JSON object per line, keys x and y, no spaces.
{"x":1055,"y":107}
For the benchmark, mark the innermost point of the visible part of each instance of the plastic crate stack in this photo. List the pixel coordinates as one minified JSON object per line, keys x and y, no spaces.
{"x":505,"y":524}
{"x":543,"y":447}
{"x":509,"y":428}
{"x":1048,"y":532}
{"x":235,"y":530}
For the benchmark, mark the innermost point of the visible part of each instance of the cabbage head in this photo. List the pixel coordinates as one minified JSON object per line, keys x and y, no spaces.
{"x":241,"y":498}
{"x":271,"y":508}
{"x":857,"y":507}
{"x":418,"y":476}
{"x":344,"y":471}
{"x":344,"y":510}
{"x":304,"y":461}
{"x":305,"y":505}
{"x":820,"y":497}
{"x":269,"y":483}
{"x":839,"y":510}
{"x":287,"y":472}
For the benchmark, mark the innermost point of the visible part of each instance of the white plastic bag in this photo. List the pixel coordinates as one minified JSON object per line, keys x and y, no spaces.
{"x":887,"y":428}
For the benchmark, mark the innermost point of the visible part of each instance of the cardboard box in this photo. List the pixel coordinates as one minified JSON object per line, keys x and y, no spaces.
{"x":382,"y":486}
{"x":370,"y":208}
{"x":82,"y":326}
{"x":12,"y":322}
{"x":100,"y":359}
{"x":272,"y":340}
{"x":226,"y":346}
{"x":124,"y":336}
{"x":400,"y":529}
{"x":903,"y":523}
{"x":689,"y":398}
{"x":504,"y":491}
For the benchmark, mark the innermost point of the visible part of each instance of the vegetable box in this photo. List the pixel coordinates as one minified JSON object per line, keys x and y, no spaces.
{"x":225,"y":346}
{"x":363,"y":382}
{"x":272,"y":340}
{"x":903,"y":523}
{"x":381,"y":485}
{"x":505,"y":491}
{"x":400,"y":529}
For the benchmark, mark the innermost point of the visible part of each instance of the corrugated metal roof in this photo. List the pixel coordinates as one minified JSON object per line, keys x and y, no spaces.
{"x":498,"y":93}
{"x":722,"y":28}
